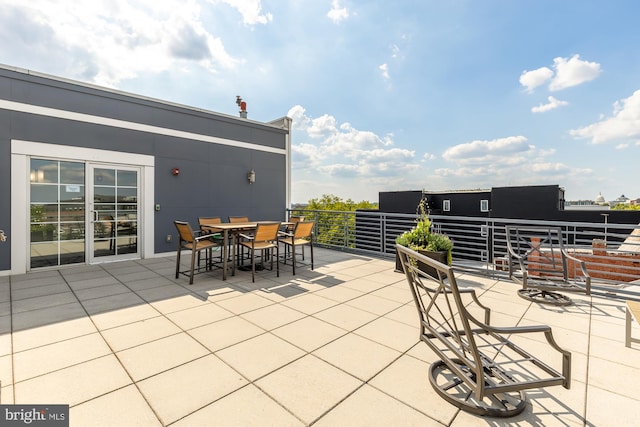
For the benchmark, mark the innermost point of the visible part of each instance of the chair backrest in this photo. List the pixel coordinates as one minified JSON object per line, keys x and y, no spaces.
{"x":303,"y":230}
{"x":443,"y":315}
{"x":267,"y":231}
{"x":208,"y":222}
{"x":185,"y":231}
{"x":238,"y":219}
{"x":539,"y":249}
{"x":296,"y":218}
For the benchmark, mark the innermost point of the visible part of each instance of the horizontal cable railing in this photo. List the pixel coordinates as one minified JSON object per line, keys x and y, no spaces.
{"x":611,"y":251}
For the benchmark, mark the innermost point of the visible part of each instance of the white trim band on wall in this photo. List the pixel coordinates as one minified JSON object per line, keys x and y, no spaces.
{"x":123,"y":124}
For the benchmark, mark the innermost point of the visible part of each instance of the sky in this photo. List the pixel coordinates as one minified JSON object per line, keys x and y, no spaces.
{"x":390,"y":95}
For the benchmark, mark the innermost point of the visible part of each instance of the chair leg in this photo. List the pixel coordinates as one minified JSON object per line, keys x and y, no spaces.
{"x":253,"y":265}
{"x":277,"y":263}
{"x":627,"y":328}
{"x":193,"y":264}
{"x":293,"y":258}
{"x":311,"y":249}
{"x":178,"y":263}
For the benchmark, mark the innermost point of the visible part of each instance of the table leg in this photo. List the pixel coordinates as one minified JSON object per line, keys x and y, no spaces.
{"x":233,"y":261}
{"x":225,"y":250}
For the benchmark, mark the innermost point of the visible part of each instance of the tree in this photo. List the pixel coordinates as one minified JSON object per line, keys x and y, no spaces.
{"x":625,"y":207}
{"x":337,"y":227}
{"x":329,"y":202}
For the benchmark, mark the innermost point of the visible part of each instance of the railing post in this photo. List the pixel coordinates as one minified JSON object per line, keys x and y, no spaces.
{"x":345,"y":220}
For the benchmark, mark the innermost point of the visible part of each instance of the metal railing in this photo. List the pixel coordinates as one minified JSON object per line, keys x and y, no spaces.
{"x":480,"y":243}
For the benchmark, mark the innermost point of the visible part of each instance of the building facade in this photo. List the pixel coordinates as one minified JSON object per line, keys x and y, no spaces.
{"x":92,"y":175}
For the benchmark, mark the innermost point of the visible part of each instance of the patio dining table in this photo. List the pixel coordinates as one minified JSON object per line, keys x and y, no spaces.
{"x":233,"y":228}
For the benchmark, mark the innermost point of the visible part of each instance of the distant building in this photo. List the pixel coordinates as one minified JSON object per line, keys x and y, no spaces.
{"x":598,"y":204}
{"x":534,"y":202}
{"x":622,"y":200}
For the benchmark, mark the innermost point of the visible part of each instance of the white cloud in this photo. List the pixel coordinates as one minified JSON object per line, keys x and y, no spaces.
{"x":109,"y":41}
{"x":499,"y":150}
{"x":551,"y":105}
{"x":532,"y":79}
{"x":384,"y":69}
{"x":323,"y":126}
{"x":300,"y":120}
{"x":504,"y":161}
{"x":340,"y":150}
{"x":337,"y":13}
{"x":549,"y":168}
{"x":395,"y":51}
{"x":250,"y":11}
{"x":623,"y":125}
{"x":573,"y":72}
{"x":567,"y":72}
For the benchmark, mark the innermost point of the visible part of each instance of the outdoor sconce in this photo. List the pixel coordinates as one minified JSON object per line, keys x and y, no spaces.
{"x":175,"y":171}
{"x":251,"y":176}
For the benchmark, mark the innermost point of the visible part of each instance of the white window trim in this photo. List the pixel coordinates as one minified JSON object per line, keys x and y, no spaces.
{"x":446,"y":205}
{"x":484,"y":205}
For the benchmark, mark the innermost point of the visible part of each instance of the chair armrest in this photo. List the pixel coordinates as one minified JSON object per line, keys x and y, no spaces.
{"x":581,"y":263}
{"x":203,"y":237}
{"x":487,"y":310}
{"x":245,"y":236}
{"x":519,"y":259}
{"x":284,"y":234}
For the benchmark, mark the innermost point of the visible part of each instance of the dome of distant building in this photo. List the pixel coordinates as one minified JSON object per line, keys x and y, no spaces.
{"x":599,"y":198}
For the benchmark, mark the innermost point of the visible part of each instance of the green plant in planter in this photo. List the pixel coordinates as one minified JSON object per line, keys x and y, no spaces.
{"x":422,"y":238}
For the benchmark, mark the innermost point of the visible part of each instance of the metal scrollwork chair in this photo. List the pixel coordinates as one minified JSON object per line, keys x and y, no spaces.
{"x":479,"y":369}
{"x":540,"y":264}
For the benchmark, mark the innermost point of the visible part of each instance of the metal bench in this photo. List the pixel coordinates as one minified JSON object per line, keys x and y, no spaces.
{"x":479,"y":369}
{"x":541,"y":265}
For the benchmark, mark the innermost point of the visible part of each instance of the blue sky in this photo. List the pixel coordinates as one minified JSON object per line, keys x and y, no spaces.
{"x":385,"y":95}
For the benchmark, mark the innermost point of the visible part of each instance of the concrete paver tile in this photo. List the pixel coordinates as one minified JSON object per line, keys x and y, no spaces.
{"x":308,"y":387}
{"x":178,"y":392}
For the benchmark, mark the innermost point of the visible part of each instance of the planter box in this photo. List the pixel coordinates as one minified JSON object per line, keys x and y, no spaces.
{"x":440,"y":256}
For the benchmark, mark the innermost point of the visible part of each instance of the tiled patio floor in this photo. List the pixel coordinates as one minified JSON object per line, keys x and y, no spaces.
{"x":127,"y":344}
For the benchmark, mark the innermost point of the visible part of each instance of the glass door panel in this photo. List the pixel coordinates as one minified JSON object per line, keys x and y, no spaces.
{"x":115,"y":212}
{"x":57,"y":212}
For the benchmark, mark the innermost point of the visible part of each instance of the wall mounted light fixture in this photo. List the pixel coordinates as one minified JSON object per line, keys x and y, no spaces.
{"x":251,"y":176}
{"x":175,"y":171}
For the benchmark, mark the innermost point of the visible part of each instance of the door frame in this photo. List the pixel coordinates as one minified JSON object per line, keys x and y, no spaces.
{"x":22,"y":151}
{"x":90,"y":210}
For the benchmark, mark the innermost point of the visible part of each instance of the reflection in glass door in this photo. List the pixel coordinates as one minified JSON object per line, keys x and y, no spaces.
{"x":71,"y":201}
{"x":57,"y":213}
{"x":114,"y":212}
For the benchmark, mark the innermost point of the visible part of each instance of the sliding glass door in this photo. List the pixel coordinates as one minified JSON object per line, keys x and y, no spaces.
{"x":82,"y":212}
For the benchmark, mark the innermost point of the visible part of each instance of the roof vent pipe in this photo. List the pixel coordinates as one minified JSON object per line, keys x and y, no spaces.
{"x":242,"y":105}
